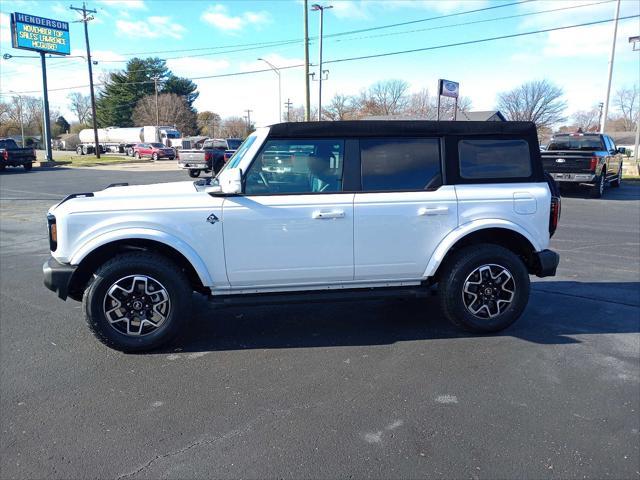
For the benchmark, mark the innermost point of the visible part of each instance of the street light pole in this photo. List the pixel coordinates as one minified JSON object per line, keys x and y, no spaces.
{"x":155,"y":83}
{"x":321,"y":8}
{"x":611,"y":58}
{"x":307,"y":94}
{"x":277,"y":72}
{"x":85,"y":19}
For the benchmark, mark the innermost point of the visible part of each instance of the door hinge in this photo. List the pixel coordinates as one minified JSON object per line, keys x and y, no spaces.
{"x":212,"y":219}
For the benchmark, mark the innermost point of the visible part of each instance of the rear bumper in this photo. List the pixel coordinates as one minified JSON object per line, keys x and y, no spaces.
{"x":194,"y":166}
{"x":546,"y":263}
{"x":57,"y":277}
{"x":574,"y":177}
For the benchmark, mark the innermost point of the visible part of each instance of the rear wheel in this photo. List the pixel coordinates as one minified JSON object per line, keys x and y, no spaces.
{"x":484,"y":288}
{"x":136,"y":155}
{"x":616,"y":183}
{"x":194,"y":173}
{"x":154,"y":157}
{"x":598,"y":189}
{"x":137,"y":302}
{"x":79,"y":150}
{"x":28,"y":166}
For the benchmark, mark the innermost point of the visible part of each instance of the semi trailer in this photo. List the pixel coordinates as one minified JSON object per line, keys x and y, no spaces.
{"x":122,"y":140}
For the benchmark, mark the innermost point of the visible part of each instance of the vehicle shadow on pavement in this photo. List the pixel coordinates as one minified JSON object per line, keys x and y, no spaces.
{"x":558,"y":312}
{"x":627,"y":191}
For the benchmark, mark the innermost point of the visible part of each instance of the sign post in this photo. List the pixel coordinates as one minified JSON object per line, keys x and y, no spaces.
{"x":447,"y":88}
{"x":42,"y":35}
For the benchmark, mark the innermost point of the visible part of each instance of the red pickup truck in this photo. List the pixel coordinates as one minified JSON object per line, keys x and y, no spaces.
{"x":13,"y":156}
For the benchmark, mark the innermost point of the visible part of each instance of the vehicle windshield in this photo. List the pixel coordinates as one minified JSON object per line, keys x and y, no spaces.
{"x":233,"y":143}
{"x":237,"y":157}
{"x":173,"y":134}
{"x":589,"y":144}
{"x":157,"y":145}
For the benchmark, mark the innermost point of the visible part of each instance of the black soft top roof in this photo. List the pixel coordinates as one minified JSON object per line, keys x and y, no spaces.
{"x":398,"y":128}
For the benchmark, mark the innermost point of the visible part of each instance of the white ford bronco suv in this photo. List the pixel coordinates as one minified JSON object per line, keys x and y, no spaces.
{"x":317,"y":210}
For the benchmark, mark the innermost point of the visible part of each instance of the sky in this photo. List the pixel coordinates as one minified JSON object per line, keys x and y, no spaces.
{"x":209,"y":38}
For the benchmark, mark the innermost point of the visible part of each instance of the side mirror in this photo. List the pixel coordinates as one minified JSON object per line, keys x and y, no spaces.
{"x":622,"y":150}
{"x":230,"y":181}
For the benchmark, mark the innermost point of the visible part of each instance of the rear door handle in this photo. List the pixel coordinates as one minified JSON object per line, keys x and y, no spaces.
{"x":424,"y":211}
{"x":318,"y":215}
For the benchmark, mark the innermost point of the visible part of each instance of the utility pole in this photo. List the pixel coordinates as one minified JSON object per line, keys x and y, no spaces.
{"x":248,"y":117}
{"x":316,"y":7}
{"x":155,"y":83}
{"x":307,"y":91}
{"x":288,"y":105}
{"x":611,"y":58}
{"x":86,"y":19}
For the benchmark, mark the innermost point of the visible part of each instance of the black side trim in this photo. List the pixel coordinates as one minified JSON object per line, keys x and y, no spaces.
{"x":546,"y":263}
{"x":122,"y":184}
{"x":76,"y":195}
{"x":57,"y":277}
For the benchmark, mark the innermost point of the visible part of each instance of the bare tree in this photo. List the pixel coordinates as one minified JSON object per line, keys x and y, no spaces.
{"x":172,"y":110}
{"x":233,"y":127}
{"x":627,"y":101}
{"x":447,"y":106}
{"x":387,"y":97}
{"x":420,"y":105}
{"x":80,"y":106}
{"x":341,"y":107}
{"x":296,"y":114}
{"x":539,"y":101}
{"x":587,"y":120}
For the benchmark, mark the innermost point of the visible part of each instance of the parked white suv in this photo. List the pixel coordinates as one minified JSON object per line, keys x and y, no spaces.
{"x":310,"y":210}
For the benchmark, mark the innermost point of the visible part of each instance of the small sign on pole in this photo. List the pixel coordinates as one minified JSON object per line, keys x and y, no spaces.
{"x":448,"y":88}
{"x":43,"y":35}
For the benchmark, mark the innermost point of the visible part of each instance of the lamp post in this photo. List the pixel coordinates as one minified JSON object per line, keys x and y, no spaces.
{"x":603,"y":125}
{"x":635,"y":42}
{"x":21,"y":116}
{"x":321,"y":8}
{"x":277,"y":72}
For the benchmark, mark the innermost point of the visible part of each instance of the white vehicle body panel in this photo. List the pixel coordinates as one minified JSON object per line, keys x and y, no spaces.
{"x":397,"y":232}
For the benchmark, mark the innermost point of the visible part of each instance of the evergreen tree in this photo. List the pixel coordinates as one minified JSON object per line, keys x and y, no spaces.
{"x":124,"y":89}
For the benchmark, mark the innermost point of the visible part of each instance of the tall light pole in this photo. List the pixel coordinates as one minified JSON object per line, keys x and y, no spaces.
{"x":86,"y":18}
{"x":611,"y":58}
{"x":321,"y":8}
{"x":307,"y":93}
{"x":635,"y":42}
{"x":21,"y":117}
{"x":277,"y":72}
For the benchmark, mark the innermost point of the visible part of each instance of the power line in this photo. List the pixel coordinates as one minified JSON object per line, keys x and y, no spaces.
{"x":379,"y":55}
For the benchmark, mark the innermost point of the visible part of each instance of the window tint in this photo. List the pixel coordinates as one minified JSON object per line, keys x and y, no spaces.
{"x":296,"y":166}
{"x":589,"y":144}
{"x":400,"y":164}
{"x":494,"y":159}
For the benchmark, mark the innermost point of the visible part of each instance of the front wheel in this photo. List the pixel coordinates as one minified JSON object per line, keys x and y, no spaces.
{"x":154,"y":157}
{"x":28,"y":166}
{"x":194,"y":173}
{"x":137,"y":302}
{"x":136,"y":155}
{"x":484,"y":288}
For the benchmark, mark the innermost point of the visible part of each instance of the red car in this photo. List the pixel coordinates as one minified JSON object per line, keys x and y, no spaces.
{"x":153,"y":150}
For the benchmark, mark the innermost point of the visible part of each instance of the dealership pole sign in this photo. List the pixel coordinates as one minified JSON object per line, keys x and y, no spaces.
{"x":447,"y":88}
{"x":43,"y":35}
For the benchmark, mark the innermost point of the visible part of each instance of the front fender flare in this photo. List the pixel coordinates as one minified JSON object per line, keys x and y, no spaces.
{"x":463,"y":230}
{"x":145,"y":234}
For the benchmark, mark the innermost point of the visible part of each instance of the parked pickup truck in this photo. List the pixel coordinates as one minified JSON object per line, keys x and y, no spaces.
{"x":209,"y":158}
{"x":585,"y":159}
{"x":13,"y":156}
{"x":369,"y":209}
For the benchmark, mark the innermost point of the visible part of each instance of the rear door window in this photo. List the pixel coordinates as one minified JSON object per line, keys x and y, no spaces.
{"x":485,"y":159}
{"x":395,"y":164}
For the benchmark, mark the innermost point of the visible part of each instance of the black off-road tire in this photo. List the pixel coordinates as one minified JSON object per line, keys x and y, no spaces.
{"x":159,"y":268}
{"x":194,"y":173}
{"x":28,"y":166}
{"x":460,"y":266}
{"x":598,"y":189}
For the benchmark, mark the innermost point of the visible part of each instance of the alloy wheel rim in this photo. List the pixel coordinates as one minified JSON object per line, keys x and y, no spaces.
{"x":136,"y":305}
{"x":488,"y":291}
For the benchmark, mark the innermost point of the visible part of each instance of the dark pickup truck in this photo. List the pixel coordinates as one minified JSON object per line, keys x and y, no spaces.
{"x":585,"y":159}
{"x":13,"y":156}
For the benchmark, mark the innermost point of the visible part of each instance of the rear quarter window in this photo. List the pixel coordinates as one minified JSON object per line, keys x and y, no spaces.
{"x":486,"y":159}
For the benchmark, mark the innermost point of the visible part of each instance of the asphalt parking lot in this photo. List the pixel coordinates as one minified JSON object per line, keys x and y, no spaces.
{"x":377,"y":389}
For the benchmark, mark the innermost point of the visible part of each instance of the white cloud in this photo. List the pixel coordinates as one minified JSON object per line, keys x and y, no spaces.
{"x":124,"y":4}
{"x":219,"y":17}
{"x":189,"y":67}
{"x":152,"y":27}
{"x":352,"y":9}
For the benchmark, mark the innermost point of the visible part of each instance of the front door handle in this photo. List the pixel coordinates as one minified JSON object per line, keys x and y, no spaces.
{"x":424,"y":211}
{"x":319,"y":215}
